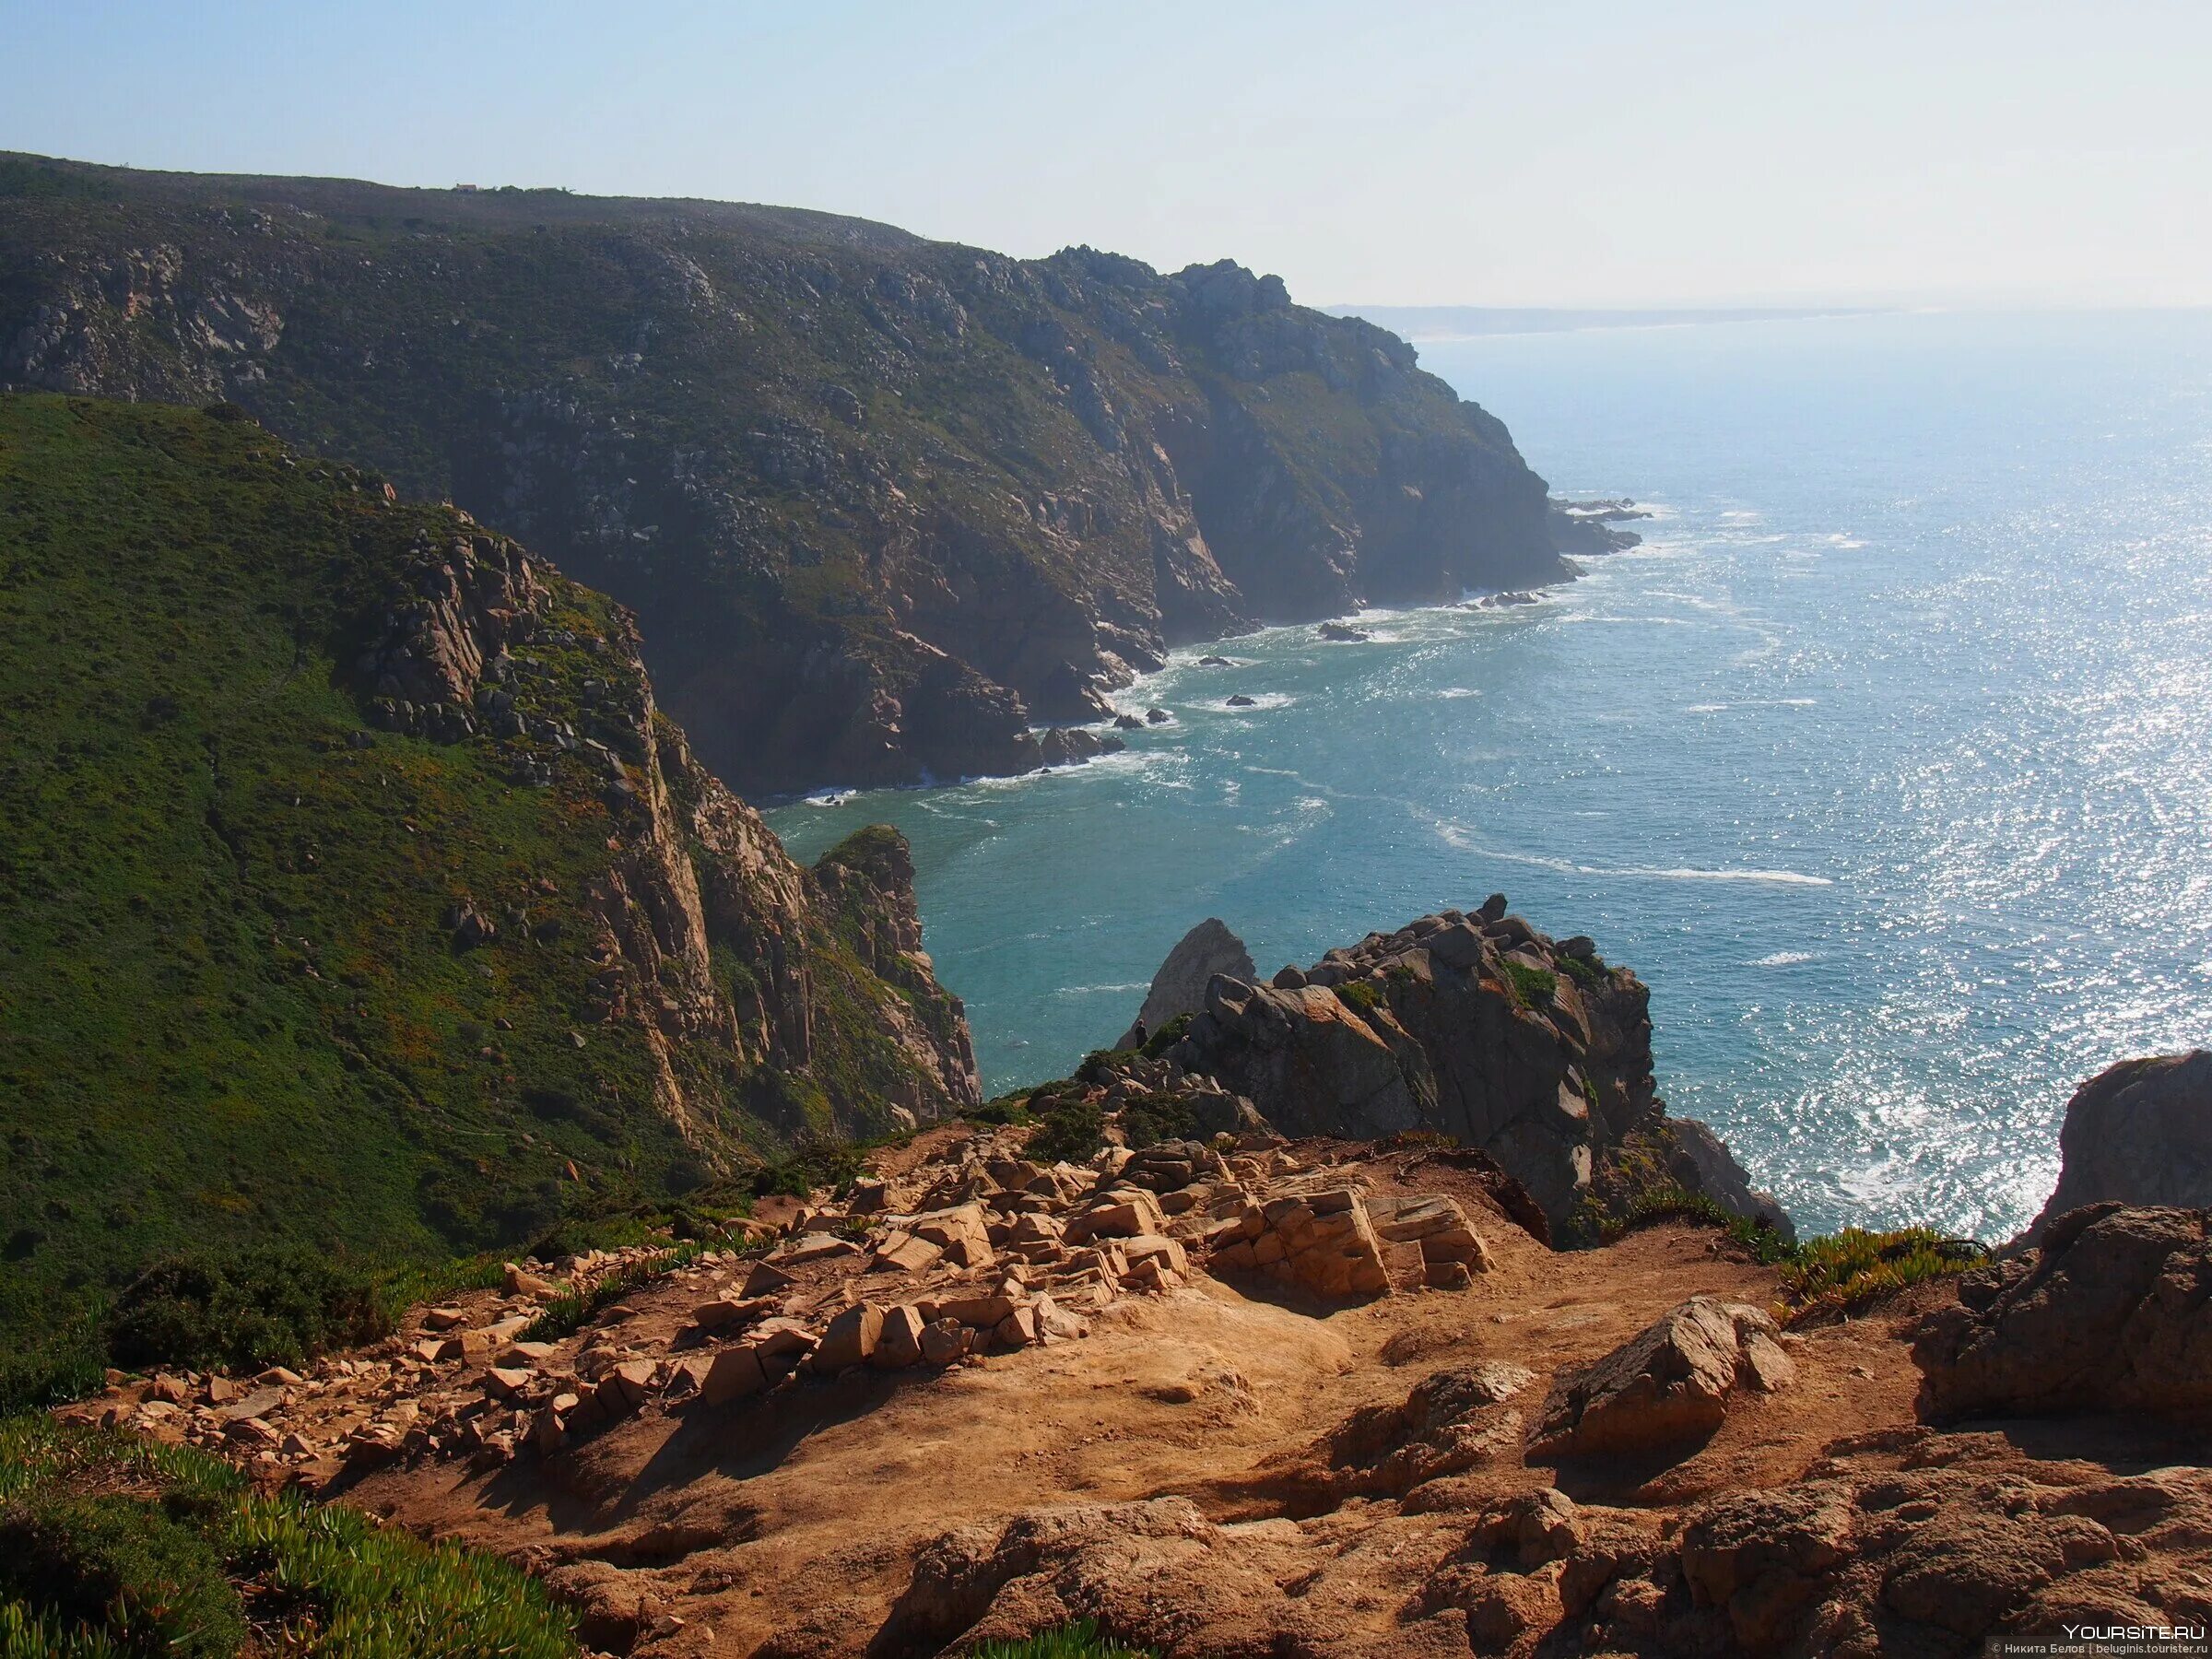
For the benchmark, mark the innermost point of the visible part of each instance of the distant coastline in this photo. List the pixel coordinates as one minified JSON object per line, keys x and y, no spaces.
{"x":1421,"y":323}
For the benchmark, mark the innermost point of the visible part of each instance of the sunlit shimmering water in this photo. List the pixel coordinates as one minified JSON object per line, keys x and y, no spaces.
{"x":1886,"y":763}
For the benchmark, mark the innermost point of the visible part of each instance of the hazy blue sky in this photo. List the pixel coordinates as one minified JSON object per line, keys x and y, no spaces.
{"x":1547,"y":152}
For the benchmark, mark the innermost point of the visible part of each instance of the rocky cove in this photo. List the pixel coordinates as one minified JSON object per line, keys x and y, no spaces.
{"x":1376,"y":1305}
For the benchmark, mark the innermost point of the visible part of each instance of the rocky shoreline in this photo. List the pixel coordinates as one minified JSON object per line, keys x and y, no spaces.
{"x":1074,"y":744}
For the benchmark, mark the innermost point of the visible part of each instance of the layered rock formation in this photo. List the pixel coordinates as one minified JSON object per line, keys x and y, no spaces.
{"x":883,"y":505}
{"x":1477,"y":1026}
{"x":2138,"y":1133}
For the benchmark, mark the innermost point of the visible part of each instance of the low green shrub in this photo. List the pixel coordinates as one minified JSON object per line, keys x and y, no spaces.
{"x":1851,"y":1270}
{"x":1078,"y":1640}
{"x":1362,"y":994}
{"x":1007,"y":1109}
{"x":241,"y":1312}
{"x":1152,"y":1118}
{"x":1100,"y":1065}
{"x":1170,"y":1033}
{"x":1073,"y":1130}
{"x":113,"y":1547}
{"x":814,"y":1164}
{"x":46,"y":1360}
{"x":1530,"y":987}
{"x":569,"y":1313}
{"x":1824,"y":1277}
{"x":1764,"y":1241}
{"x":122,"y":1566}
{"x":1590,"y":975}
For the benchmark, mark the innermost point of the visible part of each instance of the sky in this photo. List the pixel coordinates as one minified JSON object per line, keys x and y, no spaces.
{"x":1548,"y":152}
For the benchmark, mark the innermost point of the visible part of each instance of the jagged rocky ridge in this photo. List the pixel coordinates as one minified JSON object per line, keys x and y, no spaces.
{"x":883,"y":505}
{"x":357,"y":892}
{"x":1471,"y":1024}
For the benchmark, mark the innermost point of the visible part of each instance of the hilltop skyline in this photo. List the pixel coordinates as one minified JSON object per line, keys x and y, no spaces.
{"x":2032,"y":155}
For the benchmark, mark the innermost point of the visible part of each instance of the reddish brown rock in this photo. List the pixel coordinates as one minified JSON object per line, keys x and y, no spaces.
{"x":898,"y":1344}
{"x":2112,"y":1311}
{"x":1668,"y":1387}
{"x":851,"y":1338}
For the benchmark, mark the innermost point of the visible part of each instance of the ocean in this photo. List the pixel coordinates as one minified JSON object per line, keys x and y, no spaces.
{"x":1886,"y":761}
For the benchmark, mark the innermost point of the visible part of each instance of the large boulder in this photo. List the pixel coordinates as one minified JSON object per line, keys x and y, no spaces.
{"x":2138,"y":1132}
{"x":2111,"y":1312}
{"x":1669,"y":1386}
{"x":1179,"y":985}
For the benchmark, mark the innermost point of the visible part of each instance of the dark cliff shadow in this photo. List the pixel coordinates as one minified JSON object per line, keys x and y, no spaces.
{"x":2121,"y":1446}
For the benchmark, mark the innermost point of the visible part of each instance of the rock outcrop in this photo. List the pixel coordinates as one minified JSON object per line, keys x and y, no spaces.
{"x":469,"y":649}
{"x":1876,"y":1555}
{"x":1179,"y":987}
{"x":1591,"y":527}
{"x":1669,"y":1388}
{"x":1476,"y":1025}
{"x":2111,"y":1312}
{"x":731,"y":418}
{"x":2138,"y":1133}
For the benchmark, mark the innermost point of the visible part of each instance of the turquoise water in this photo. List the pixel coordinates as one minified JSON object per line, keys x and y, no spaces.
{"x":1886,"y":762}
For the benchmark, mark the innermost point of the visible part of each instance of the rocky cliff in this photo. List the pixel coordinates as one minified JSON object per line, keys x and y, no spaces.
{"x":884,"y":506}
{"x":1474,"y":1025}
{"x":2139,"y":1132}
{"x":357,"y":892}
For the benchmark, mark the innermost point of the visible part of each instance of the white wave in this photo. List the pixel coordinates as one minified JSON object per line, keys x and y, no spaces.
{"x":1778,"y":878}
{"x":1452,"y":694}
{"x":1742,"y":516}
{"x":1784,"y":959}
{"x":1453,"y":835}
{"x":1260,"y":702}
{"x":1122,"y":990}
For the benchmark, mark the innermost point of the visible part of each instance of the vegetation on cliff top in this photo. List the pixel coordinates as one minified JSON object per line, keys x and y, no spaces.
{"x":236,"y":1016}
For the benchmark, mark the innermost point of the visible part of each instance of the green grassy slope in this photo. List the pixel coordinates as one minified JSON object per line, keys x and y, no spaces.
{"x":233,"y":1006}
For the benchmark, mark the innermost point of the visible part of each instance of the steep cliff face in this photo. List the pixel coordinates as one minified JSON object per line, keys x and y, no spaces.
{"x":357,"y":892}
{"x":884,"y":506}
